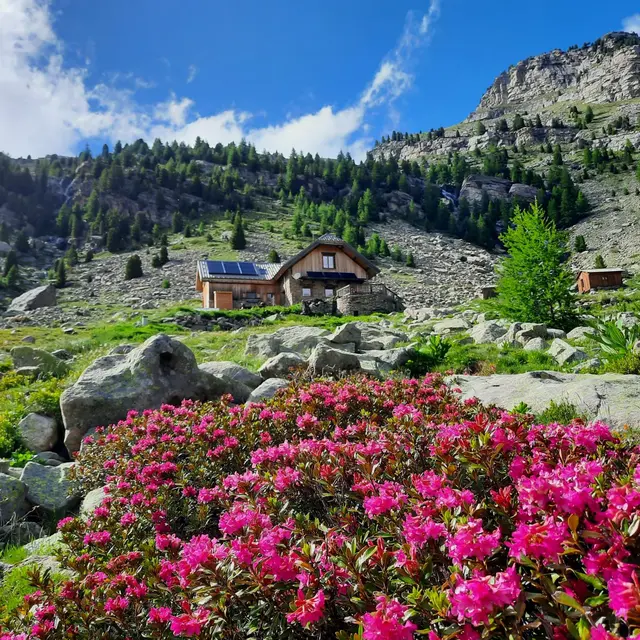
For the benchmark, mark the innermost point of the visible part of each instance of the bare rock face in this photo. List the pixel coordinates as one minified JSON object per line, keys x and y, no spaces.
{"x":33,"y":299}
{"x":161,"y":370}
{"x":475,"y":186}
{"x":608,"y":71}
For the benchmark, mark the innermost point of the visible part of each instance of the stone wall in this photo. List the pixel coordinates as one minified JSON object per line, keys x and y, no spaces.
{"x":360,"y":304}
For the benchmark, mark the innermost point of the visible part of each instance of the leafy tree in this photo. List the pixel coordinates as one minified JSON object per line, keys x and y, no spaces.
{"x":61,"y":275}
{"x":238,"y":240}
{"x":10,"y":261}
{"x":133,"y":268}
{"x":580,"y":244}
{"x":600,"y":263}
{"x":535,"y":279}
{"x":273,"y":256}
{"x":12,"y":276}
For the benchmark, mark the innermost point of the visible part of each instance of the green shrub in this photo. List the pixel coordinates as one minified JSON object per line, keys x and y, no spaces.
{"x":133,"y":268}
{"x":166,"y":284}
{"x":561,"y":413}
{"x":614,"y":338}
{"x":430,"y":356}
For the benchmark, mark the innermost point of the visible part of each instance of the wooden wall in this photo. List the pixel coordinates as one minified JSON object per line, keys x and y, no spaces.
{"x":239,"y":291}
{"x":313,"y":262}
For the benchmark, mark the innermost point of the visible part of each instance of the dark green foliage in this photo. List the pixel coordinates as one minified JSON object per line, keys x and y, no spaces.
{"x":273,"y":256}
{"x":410,"y":260}
{"x":238,"y":240}
{"x":13,"y":276}
{"x":89,"y":256}
{"x":22,"y":242}
{"x":560,"y":413}
{"x":61,"y":275}
{"x":166,"y":284}
{"x":580,"y":244}
{"x":133,"y":268}
{"x":599,"y":262}
{"x":480,"y":128}
{"x":426,"y":358}
{"x":177,"y":222}
{"x":10,"y":261}
{"x":72,"y":256}
{"x":535,"y":279}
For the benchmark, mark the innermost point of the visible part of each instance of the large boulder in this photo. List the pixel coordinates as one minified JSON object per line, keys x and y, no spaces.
{"x":33,"y":299}
{"x":233,"y":371}
{"x":280,"y":366}
{"x":38,"y":433}
{"x":329,"y":361}
{"x":285,"y":340}
{"x":13,"y":493}
{"x":161,"y":370}
{"x":236,"y":389}
{"x":92,"y":501}
{"x":580,"y":333}
{"x":40,"y":361}
{"x":563,"y":353}
{"x":612,"y":398}
{"x":536,"y":344}
{"x":267,"y":389}
{"x":49,"y":487}
{"x":451,"y":325}
{"x":349,"y":332}
{"x":487,"y":332}
{"x":530,"y":330}
{"x":381,"y":363}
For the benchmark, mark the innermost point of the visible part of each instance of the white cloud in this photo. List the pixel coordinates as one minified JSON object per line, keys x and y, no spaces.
{"x":192,"y":73}
{"x":46,"y":107}
{"x":632,"y":24}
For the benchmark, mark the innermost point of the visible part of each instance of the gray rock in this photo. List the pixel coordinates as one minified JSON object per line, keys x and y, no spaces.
{"x":33,"y":299}
{"x":14,"y":472}
{"x":329,"y":361}
{"x":49,"y":487}
{"x":267,"y":389}
{"x":628,"y":319}
{"x":161,"y":370}
{"x":612,"y":398}
{"x":536,"y":344}
{"x":29,"y":372}
{"x":529,"y":330}
{"x":233,"y":371}
{"x":588,"y":366}
{"x":45,"y":362}
{"x":121,"y":350}
{"x":238,"y":391}
{"x":62,"y":354}
{"x":38,"y":433}
{"x":4,"y":465}
{"x":420,"y":314}
{"x":47,"y":543}
{"x":509,"y":338}
{"x":20,"y":533}
{"x":450,"y":326}
{"x":92,"y":501}
{"x":563,"y":353}
{"x":285,"y":340}
{"x":346,"y":333}
{"x":280,"y":366}
{"x":28,"y":340}
{"x":487,"y":332}
{"x":381,"y":363}
{"x":49,"y":455}
{"x":579,"y":333}
{"x":13,"y":493}
{"x":556,"y":333}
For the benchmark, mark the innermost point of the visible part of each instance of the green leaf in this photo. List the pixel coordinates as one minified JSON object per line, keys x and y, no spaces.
{"x":566,"y":600}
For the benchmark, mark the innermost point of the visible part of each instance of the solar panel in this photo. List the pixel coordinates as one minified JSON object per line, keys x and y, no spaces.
{"x":231,"y":268}
{"x":214,"y":266}
{"x":248,"y":269}
{"x":348,"y":276}
{"x":315,"y":274}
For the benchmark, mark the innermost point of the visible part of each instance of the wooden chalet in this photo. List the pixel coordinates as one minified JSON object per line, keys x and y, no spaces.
{"x":317,"y":272}
{"x":594,"y":279}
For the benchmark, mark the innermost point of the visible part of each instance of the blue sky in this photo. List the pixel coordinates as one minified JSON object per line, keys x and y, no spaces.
{"x":318,"y":77}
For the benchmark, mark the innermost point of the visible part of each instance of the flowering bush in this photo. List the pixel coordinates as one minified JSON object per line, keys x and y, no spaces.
{"x":357,"y":510}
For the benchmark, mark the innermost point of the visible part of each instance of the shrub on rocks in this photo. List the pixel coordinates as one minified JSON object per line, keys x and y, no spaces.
{"x":380,"y":510}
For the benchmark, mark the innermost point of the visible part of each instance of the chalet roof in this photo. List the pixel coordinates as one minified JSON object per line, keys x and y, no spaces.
{"x":331,"y":239}
{"x":266,"y":271}
{"x":601,"y":270}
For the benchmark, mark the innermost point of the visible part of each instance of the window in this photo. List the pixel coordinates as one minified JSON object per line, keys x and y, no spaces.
{"x":252,"y":295}
{"x":270,"y":297}
{"x":328,"y":292}
{"x":306,"y":292}
{"x":328,"y":260}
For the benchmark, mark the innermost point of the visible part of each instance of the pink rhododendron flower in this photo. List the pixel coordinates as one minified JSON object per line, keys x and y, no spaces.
{"x":308,"y":610}
{"x":543,"y":541}
{"x":624,"y":591}
{"x":600,"y":633}
{"x":477,"y":598}
{"x":471,"y":541}
{"x":159,"y":615}
{"x":286,"y":477}
{"x":387,"y":622}
{"x":417,"y":531}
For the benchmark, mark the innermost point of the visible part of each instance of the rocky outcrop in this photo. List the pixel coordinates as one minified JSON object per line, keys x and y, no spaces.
{"x":234,"y":372}
{"x":286,"y":340}
{"x":280,"y":366}
{"x":267,"y":389}
{"x":161,"y":370}
{"x":34,"y":299}
{"x":611,"y":398}
{"x":49,"y":487}
{"x":13,"y":493}
{"x":37,"y":361}
{"x":476,"y":186}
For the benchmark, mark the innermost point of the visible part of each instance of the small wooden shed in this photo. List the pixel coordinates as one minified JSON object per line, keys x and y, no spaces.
{"x":593,"y":279}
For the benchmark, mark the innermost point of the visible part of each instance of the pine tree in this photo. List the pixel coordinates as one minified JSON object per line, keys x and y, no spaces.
{"x":582,"y":204}
{"x":480,"y":128}
{"x":10,"y":261}
{"x":535,"y":279}
{"x":133,"y":268}
{"x":164,"y":255}
{"x":12,"y":276}
{"x":274,"y":257}
{"x":588,"y":115}
{"x":113,"y":241}
{"x":538,"y":121}
{"x":72,"y":256}
{"x":4,"y":232}
{"x":384,"y":248}
{"x":177,"y":223}
{"x":410,"y":260}
{"x":61,"y":275}
{"x":89,"y":256}
{"x":22,"y":243}
{"x":580,"y":244}
{"x":600,"y":263}
{"x":238,"y":240}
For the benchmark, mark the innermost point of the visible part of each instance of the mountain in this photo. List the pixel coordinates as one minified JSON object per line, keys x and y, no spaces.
{"x":561,"y":127}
